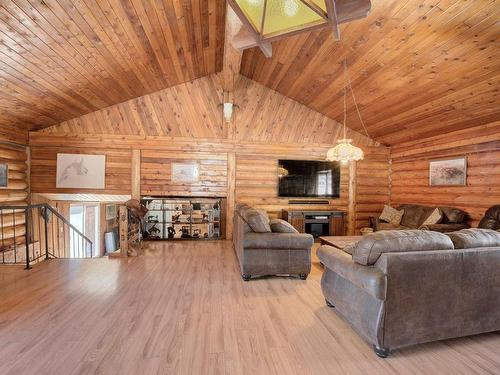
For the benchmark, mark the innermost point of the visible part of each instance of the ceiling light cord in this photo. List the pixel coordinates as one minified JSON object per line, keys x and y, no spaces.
{"x":345,"y":98}
{"x":353,"y":99}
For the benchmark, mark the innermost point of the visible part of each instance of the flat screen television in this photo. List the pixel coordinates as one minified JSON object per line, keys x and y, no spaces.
{"x":308,"y":179}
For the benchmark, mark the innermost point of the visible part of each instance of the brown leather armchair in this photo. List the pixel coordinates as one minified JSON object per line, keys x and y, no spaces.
{"x":491,"y":219}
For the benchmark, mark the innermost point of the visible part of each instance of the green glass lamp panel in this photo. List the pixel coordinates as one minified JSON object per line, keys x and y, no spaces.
{"x":283,"y":15}
{"x":321,"y":4}
{"x":253,"y":9}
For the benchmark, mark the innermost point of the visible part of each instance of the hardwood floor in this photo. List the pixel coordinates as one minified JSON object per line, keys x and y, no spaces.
{"x":182,"y":308}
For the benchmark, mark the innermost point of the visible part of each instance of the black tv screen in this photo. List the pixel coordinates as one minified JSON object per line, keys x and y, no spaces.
{"x":311,"y":179}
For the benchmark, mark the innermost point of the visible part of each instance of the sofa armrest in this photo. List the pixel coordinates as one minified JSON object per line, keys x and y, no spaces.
{"x":278,"y":241}
{"x":370,"y":279}
{"x":451,"y":227}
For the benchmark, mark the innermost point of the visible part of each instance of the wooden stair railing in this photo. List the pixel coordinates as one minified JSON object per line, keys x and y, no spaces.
{"x":32,"y":233}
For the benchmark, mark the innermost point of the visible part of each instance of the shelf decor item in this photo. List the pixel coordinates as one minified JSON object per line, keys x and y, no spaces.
{"x":182,"y":218}
{"x":4,"y":175}
{"x":111,"y":211}
{"x":448,"y":172}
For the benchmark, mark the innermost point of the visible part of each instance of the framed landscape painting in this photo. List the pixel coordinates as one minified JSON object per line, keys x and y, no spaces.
{"x":4,"y":175}
{"x":448,"y":172}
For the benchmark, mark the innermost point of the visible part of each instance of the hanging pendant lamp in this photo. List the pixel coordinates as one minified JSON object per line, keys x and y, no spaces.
{"x":345,"y":151}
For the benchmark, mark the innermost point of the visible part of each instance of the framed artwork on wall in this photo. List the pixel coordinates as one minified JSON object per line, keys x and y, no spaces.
{"x":448,"y":172}
{"x":185,"y":172}
{"x":4,"y":175}
{"x":80,"y":171}
{"x":111,"y":211}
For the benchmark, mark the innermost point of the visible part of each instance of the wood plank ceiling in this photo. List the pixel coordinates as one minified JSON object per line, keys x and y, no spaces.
{"x":60,"y":59}
{"x":419,"y":67}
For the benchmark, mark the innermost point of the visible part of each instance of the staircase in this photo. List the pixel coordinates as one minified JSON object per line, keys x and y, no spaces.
{"x":33,"y":233}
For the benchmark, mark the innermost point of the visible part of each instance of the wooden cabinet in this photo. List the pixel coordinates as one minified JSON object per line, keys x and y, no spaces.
{"x":297,"y":220}
{"x":317,"y":223}
{"x":336,"y":223}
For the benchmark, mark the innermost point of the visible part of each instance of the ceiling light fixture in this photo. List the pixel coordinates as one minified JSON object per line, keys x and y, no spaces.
{"x":344,"y":151}
{"x":269,"y":20}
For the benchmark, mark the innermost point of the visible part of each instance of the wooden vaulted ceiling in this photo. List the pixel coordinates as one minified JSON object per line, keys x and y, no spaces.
{"x":419,"y":67}
{"x":60,"y":59}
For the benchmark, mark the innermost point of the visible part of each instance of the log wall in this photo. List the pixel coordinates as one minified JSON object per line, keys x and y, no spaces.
{"x":481,"y":147}
{"x":15,"y":194}
{"x":184,"y":124}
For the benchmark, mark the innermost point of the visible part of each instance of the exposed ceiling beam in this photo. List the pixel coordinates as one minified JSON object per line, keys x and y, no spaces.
{"x":332,"y":16}
{"x":232,"y":56}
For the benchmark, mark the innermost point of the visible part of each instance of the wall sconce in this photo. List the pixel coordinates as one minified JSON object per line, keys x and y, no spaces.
{"x":228,"y":111}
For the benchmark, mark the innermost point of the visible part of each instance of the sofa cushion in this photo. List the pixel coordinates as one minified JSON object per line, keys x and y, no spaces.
{"x":257,"y":219}
{"x":475,"y":237}
{"x":453,"y":215}
{"x":283,"y":241}
{"x":371,"y":246}
{"x":434,"y":218}
{"x":282,"y":226}
{"x":413,"y":215}
{"x":391,"y":215}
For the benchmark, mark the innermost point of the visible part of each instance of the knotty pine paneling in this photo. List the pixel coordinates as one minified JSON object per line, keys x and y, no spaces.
{"x":73,"y":57}
{"x":418,"y":69}
{"x":410,"y":171}
{"x":193,"y":110}
{"x":187,"y":110}
{"x":156,"y":174}
{"x":15,"y":194}
{"x":184,"y":124}
{"x":372,"y":185}
{"x":43,"y":169}
{"x":257,"y":185}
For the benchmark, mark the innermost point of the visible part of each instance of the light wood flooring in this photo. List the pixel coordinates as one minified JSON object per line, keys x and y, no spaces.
{"x":182,"y":308}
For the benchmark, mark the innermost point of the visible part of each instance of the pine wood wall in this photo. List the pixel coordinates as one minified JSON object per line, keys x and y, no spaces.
{"x":481,"y":146}
{"x":16,"y":193}
{"x":238,"y":160}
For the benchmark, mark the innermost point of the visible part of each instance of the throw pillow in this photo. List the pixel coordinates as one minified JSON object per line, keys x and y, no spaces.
{"x":258,"y":220}
{"x":434,"y":218}
{"x":391,"y":215}
{"x":282,"y":226}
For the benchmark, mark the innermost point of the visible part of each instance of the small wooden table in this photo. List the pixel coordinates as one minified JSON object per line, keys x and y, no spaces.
{"x":340,"y":242}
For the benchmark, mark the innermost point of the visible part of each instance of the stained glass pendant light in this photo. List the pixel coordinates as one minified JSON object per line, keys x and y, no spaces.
{"x":269,"y":20}
{"x":345,"y":151}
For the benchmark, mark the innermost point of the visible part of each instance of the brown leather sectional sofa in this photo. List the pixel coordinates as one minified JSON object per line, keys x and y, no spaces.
{"x":415,"y":214}
{"x":407,"y":287}
{"x":262,"y":251}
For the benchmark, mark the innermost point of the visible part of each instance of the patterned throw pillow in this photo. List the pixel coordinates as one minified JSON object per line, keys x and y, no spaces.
{"x":391,"y":215}
{"x":434,"y":218}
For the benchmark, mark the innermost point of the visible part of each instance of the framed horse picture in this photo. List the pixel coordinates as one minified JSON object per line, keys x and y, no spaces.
{"x":81,"y":171}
